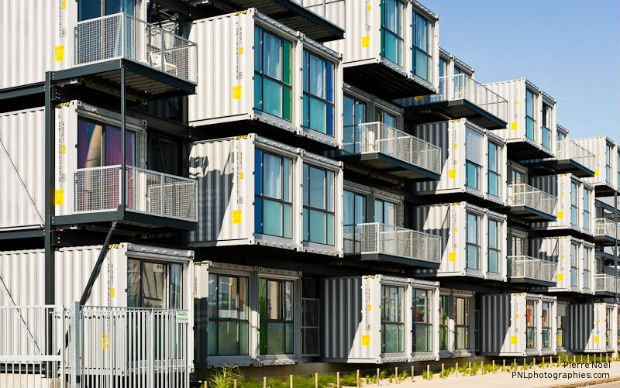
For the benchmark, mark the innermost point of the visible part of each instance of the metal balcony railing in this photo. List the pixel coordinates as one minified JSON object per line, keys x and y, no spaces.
{"x":569,"y":150}
{"x":522,"y":194}
{"x":606,"y":283}
{"x":526,"y":267}
{"x":463,"y":87}
{"x":97,"y":189}
{"x":377,"y":238}
{"x":377,"y":137}
{"x":122,"y":36}
{"x":606,"y":228}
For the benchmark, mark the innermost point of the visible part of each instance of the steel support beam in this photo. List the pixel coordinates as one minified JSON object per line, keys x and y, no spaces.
{"x":97,"y":269}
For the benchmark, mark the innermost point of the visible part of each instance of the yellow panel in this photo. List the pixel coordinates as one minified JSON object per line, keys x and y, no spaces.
{"x":365,"y":41}
{"x":560,"y":276}
{"x":452,"y":173}
{"x":418,"y":98}
{"x":516,"y":316}
{"x":236,"y":92}
{"x":514,"y":339}
{"x":596,"y":339}
{"x":112,"y":292}
{"x":559,"y":339}
{"x":59,"y":53}
{"x":63,"y":149}
{"x":105,"y":341}
{"x":63,"y":4}
{"x":240,"y":50}
{"x":369,"y":307}
{"x":236,"y":217}
{"x":59,"y":197}
{"x":369,"y":8}
{"x":561,"y":214}
{"x":365,"y":340}
{"x":452,"y":256}
{"x":514,"y":125}
{"x":597,"y":172}
{"x":241,"y":175}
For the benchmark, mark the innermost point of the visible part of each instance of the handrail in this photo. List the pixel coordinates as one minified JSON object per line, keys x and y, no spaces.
{"x":570,"y":150}
{"x":606,"y":228}
{"x":527,"y":267}
{"x":522,"y":194}
{"x":393,"y":240}
{"x":606,"y":283}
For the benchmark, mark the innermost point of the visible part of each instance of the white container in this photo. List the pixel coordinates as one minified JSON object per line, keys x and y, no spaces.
{"x":604,"y":149}
{"x":461,"y":140}
{"x":505,"y":321}
{"x":449,"y":221}
{"x":572,"y":274}
{"x":515,"y":91}
{"x":38,"y":37}
{"x":226,"y":92}
{"x":23,"y":274}
{"x":204,"y":271}
{"x":226,"y":173}
{"x":593,"y":328}
{"x":362,"y":45}
{"x":354,"y":324}
{"x":22,"y":160}
{"x":561,"y":187}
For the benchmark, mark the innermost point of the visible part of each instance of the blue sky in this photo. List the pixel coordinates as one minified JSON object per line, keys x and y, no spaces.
{"x":569,"y":48}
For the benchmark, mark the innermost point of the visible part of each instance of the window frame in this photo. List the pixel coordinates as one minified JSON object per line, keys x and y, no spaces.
{"x":574,"y":203}
{"x":263,"y":345}
{"x":465,"y":324}
{"x":308,"y":208}
{"x":547,"y":111}
{"x":587,"y":193}
{"x":329,"y":83}
{"x":385,"y":31}
{"x":574,"y":265}
{"x":260,"y":198}
{"x":353,"y":129}
{"x":167,"y":299}
{"x":546,"y":325}
{"x":399,"y":322}
{"x":497,"y":248}
{"x":530,"y":120}
{"x":416,"y":50}
{"x":531,"y":327}
{"x":477,"y":245}
{"x":426,"y":323}
{"x":353,"y":204}
{"x":494,"y":171}
{"x":587,"y":267}
{"x":445,"y":310}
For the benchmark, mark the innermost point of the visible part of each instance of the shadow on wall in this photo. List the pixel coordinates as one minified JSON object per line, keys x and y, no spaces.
{"x":581,"y":316}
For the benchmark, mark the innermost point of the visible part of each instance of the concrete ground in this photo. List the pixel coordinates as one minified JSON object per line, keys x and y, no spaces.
{"x":536,"y":377}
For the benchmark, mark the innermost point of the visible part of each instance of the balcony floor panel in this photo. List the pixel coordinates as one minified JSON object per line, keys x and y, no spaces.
{"x":555,"y":166}
{"x":385,"y":165}
{"x":523,"y":150}
{"x":411,"y":262}
{"x":529,"y":214}
{"x":532,"y":282}
{"x":130,"y":218}
{"x":605,"y":240}
{"x":456,"y":109}
{"x":384,"y":82}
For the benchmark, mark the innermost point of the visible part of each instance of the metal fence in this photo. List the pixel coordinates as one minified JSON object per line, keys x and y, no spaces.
{"x":526,"y":267}
{"x":123,"y":36}
{"x":606,"y":228}
{"x":606,"y":283}
{"x":85,"y":346}
{"x":569,"y":150}
{"x":149,"y":192}
{"x":380,"y":138}
{"x":522,"y":194}
{"x":392,"y":240}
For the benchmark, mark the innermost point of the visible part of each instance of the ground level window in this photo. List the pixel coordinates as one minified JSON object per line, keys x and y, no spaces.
{"x":276,"y":311}
{"x":462,"y":323}
{"x":228,"y":315}
{"x":422,"y":322}
{"x":392,"y":320}
{"x":530,"y":324}
{"x":444,"y":314}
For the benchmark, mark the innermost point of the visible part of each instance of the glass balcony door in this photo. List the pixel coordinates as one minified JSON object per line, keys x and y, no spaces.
{"x":91,"y":9}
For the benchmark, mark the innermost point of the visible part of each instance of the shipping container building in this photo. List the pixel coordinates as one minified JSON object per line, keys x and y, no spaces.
{"x":518,"y":325}
{"x":374,"y":229}
{"x":473,"y":163}
{"x":391,"y":47}
{"x":473,"y":240}
{"x":88,"y":177}
{"x":255,"y":191}
{"x":531,"y":117}
{"x":458,"y":96}
{"x":606,"y":177}
{"x":575,"y":206}
{"x":376,"y":144}
{"x":593,"y":328}
{"x":574,"y":258}
{"x":380,"y":319}
{"x":260,"y":75}
{"x":249,"y":316}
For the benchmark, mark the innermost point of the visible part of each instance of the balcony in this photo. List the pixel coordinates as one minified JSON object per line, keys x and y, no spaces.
{"x":389,"y":152}
{"x":388,"y":243}
{"x":152,"y":199}
{"x":157,"y":60}
{"x":530,"y":270}
{"x":606,"y":284}
{"x":570,"y":158}
{"x":605,"y":231}
{"x":460,"y":96}
{"x":531,"y":204}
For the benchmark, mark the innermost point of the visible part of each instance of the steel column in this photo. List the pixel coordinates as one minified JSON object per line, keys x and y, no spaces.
{"x":123,"y":144}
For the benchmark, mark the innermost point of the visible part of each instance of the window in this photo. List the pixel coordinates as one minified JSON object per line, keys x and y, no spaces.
{"x":608,"y":157}
{"x":574,"y":203}
{"x":618,"y":167}
{"x":272,"y":74}
{"x":494,"y":252}
{"x":391,"y":30}
{"x":547,"y":122}
{"x":443,"y":71}
{"x":276,"y":311}
{"x":587,"y":255}
{"x":574,"y":265}
{"x":608,"y":318}
{"x":562,"y":321}
{"x":444,"y":324}
{"x":560,"y":136}
{"x":100,"y":145}
{"x":530,"y":122}
{"x":530,"y":324}
{"x":474,"y":143}
{"x":587,"y":194}
{"x":153,"y":284}
{"x":389,"y":119}
{"x":164,"y":154}
{"x":546,"y":325}
{"x":354,"y":114}
{"x":228,"y":315}
{"x":517,"y":177}
{"x":473,"y":241}
{"x":392,"y":320}
{"x":422,"y":322}
{"x":318,"y":100}
{"x":90,"y":9}
{"x":310,"y":315}
{"x":318,"y":215}
{"x":517,"y":246}
{"x":354,"y":213}
{"x":462,"y":322}
{"x":385,"y":212}
{"x":618,"y":328}
{"x":494,"y":177}
{"x":273,"y":199}
{"x":422,"y":50}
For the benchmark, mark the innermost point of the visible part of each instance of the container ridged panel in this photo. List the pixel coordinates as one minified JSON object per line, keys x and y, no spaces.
{"x":495,"y":322}
{"x":581,"y":326}
{"x":343,"y":306}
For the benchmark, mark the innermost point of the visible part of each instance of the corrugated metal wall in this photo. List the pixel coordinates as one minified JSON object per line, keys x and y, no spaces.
{"x":499,"y":326}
